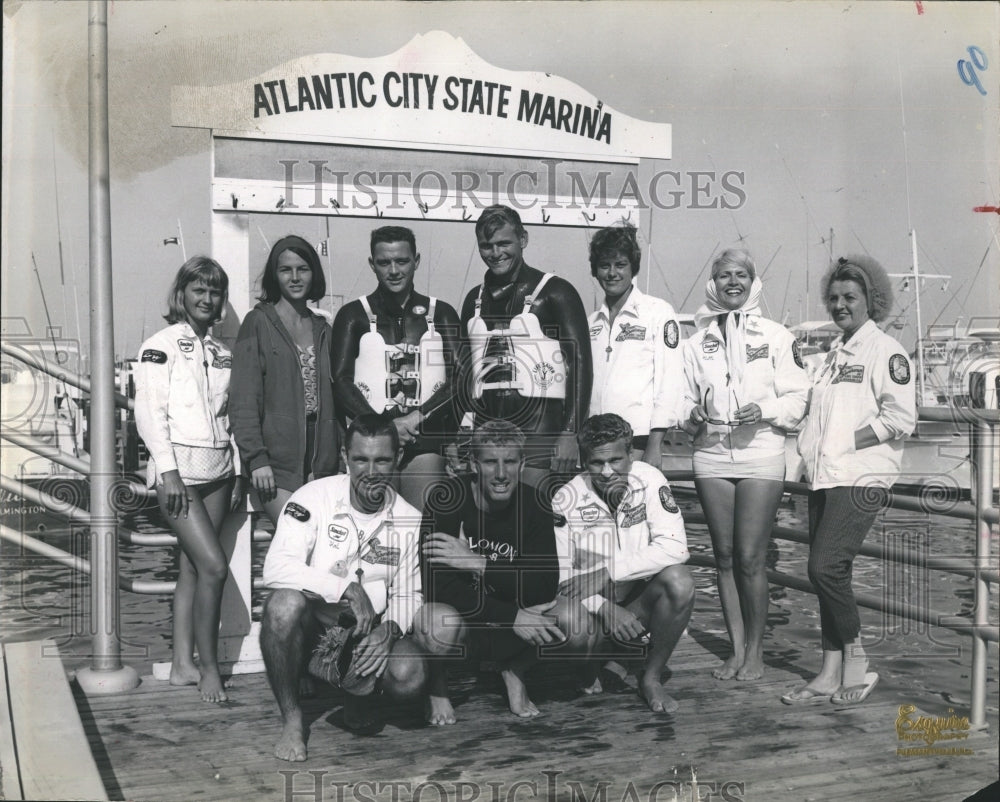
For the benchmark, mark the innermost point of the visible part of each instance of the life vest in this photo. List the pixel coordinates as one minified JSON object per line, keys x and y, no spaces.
{"x":402,"y":375}
{"x":518,"y":357}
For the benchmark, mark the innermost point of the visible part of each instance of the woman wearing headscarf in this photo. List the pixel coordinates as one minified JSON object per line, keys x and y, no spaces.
{"x":862,"y":406}
{"x":745,"y":389}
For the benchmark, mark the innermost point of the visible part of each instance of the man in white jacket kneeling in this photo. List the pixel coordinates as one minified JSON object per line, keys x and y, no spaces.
{"x":622,"y":548}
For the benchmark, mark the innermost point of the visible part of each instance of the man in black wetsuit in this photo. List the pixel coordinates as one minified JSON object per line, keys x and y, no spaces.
{"x":526,"y":353}
{"x":393,"y":352}
{"x":489,"y":571}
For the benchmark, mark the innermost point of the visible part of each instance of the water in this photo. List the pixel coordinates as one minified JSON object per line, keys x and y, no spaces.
{"x":40,"y":599}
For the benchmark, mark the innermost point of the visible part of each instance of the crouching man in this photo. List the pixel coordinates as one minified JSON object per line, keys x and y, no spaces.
{"x":343,"y":567}
{"x":490,"y":571}
{"x":622,"y":550}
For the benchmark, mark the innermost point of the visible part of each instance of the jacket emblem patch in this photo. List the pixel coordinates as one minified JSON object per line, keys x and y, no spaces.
{"x":154,"y":356}
{"x":667,"y":500}
{"x":595,"y":331}
{"x":633,"y":515}
{"x":297,"y":511}
{"x":899,"y":369}
{"x":336,"y":533}
{"x":631,"y":331}
{"x":709,"y":346}
{"x":378,"y":554}
{"x":796,"y":355}
{"x":590,"y":513}
{"x":222,"y":361}
{"x":850,"y":373}
{"x":761,"y":352}
{"x":671,"y":334}
{"x":186,"y":346}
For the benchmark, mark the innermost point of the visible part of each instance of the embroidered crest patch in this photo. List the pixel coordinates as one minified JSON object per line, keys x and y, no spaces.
{"x":855,"y":374}
{"x":595,"y":331}
{"x":667,"y":500}
{"x":297,"y":511}
{"x":633,"y":515}
{"x":899,"y":369}
{"x":796,"y":355}
{"x":420,"y":310}
{"x":590,"y":513}
{"x":630,"y":331}
{"x":154,"y":356}
{"x":709,"y":346}
{"x":378,"y":554}
{"x":760,"y":352}
{"x":222,"y":361}
{"x":671,"y":334}
{"x":186,"y":346}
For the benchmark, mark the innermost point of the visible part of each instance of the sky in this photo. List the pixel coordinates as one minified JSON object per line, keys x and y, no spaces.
{"x":843,"y":117}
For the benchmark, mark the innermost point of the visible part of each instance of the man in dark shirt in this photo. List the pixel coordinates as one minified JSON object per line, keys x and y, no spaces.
{"x":526,"y":349}
{"x":489,"y":568}
{"x":393,"y":352}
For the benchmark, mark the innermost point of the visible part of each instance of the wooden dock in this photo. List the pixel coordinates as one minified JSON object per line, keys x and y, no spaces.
{"x":728,"y":741}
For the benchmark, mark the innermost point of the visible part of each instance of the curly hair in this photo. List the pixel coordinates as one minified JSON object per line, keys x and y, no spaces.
{"x":614,"y":240}
{"x":599,"y":430}
{"x":870,"y":276}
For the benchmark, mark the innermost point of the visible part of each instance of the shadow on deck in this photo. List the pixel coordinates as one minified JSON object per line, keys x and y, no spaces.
{"x":728,"y":741}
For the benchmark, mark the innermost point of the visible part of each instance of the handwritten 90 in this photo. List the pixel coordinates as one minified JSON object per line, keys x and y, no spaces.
{"x":967,"y":69}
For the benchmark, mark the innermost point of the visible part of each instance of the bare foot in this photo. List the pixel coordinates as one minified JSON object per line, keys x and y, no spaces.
{"x":211,"y":688}
{"x":517,"y":696}
{"x":291,"y":745}
{"x":594,"y":688}
{"x":184,"y":674}
{"x":729,"y":669}
{"x":656,"y":697}
{"x":752,"y":668}
{"x":439,"y":711}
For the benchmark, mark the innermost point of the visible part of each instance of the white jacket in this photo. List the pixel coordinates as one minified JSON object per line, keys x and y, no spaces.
{"x":181,"y":394}
{"x":773,"y":379}
{"x":321,"y":541}
{"x":864,"y":382}
{"x":637,"y":363}
{"x":644,"y":536}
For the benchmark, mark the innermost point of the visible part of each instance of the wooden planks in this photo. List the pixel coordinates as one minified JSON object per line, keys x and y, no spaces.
{"x":728,"y":740}
{"x":53,"y":752}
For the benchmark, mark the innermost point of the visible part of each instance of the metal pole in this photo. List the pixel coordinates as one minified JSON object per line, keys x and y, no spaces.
{"x":983,"y":449}
{"x":106,"y":673}
{"x":920,"y":325}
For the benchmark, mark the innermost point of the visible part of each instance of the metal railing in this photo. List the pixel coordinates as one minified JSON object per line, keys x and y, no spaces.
{"x":981,"y":510}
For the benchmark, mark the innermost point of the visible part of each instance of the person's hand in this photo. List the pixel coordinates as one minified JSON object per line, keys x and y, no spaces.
{"x":236,"y":498}
{"x":372,"y":655}
{"x":699,"y":415}
{"x":361,"y":607}
{"x":592,"y":583}
{"x":621,"y":624}
{"x":748,"y":414}
{"x":408,"y":427}
{"x":532,"y":625}
{"x":449,"y":550}
{"x":176,"y":494}
{"x":566,"y":454}
{"x":262,"y":479}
